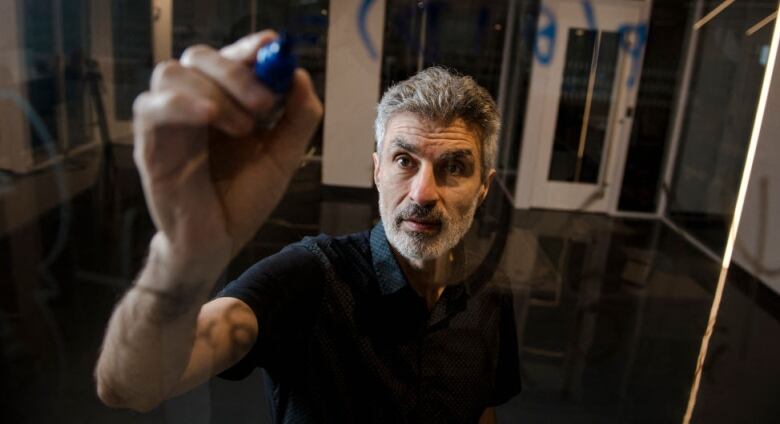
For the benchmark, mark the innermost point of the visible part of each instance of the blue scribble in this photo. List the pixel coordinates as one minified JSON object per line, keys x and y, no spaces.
{"x":549,"y":32}
{"x":634,"y":49}
{"x":361,"y":23}
{"x":590,"y":16}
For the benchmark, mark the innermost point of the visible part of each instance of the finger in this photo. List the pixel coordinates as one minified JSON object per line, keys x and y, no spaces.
{"x":245,"y":49}
{"x":166,"y":109}
{"x":303,"y":112}
{"x":230,"y":118}
{"x":171,"y":107}
{"x":234,"y":77}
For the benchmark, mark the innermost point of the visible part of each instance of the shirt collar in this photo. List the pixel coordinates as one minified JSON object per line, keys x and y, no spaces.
{"x":388,"y":271}
{"x":389,"y":274}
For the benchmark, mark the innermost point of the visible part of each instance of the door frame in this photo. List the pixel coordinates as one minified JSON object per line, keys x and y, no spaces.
{"x":538,"y":93}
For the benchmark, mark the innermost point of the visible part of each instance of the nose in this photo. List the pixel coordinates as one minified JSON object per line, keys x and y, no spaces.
{"x":424,"y":190}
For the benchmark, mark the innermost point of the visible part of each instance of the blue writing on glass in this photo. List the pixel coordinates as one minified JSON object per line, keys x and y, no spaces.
{"x":548,"y":32}
{"x":635,"y":48}
{"x":590,"y":16}
{"x":365,"y":6}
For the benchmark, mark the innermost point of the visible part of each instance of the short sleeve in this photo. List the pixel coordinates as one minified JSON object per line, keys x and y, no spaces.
{"x":284,"y":291}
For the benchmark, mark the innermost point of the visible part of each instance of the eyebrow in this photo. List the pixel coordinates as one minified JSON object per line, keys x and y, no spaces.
{"x":458,"y":154}
{"x":400,"y":142}
{"x":453,"y":154}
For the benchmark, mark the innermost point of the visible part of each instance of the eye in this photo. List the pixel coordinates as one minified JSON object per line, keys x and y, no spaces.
{"x":454,"y":167}
{"x":404,"y":161}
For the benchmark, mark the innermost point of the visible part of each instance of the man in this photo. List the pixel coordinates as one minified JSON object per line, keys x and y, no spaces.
{"x":378,"y":326}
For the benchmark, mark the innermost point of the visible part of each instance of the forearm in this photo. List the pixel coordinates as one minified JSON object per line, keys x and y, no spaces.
{"x":150,"y":336}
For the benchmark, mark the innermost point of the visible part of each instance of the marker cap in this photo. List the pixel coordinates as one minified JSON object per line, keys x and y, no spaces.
{"x":275,"y":64}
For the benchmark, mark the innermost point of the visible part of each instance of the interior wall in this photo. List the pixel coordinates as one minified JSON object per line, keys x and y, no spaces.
{"x":352,"y":81}
{"x":162,"y":29}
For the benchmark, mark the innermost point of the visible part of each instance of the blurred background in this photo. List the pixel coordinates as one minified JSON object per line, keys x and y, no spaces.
{"x":637,"y":201}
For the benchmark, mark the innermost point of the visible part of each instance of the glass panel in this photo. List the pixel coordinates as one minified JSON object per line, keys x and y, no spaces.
{"x":42,"y":69}
{"x":601,"y":103}
{"x":606,"y":313}
{"x":520,"y":61}
{"x":718,"y":122}
{"x":571,"y":109}
{"x":222,"y":23}
{"x":572,"y":160}
{"x":75,"y":45}
{"x":652,"y":121}
{"x":132,"y":51}
{"x":402,"y":41}
{"x":465,"y":36}
{"x":212,"y":23}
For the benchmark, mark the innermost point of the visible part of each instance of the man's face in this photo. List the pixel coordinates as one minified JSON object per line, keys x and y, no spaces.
{"x":428,"y":178}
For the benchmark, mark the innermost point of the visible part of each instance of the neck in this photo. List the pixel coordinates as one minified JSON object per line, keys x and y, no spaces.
{"x":427,"y":277}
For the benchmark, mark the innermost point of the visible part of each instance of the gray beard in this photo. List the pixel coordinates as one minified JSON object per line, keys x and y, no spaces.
{"x":421,"y":246}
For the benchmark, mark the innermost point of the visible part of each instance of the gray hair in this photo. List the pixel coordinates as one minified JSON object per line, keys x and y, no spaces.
{"x":441,"y":96}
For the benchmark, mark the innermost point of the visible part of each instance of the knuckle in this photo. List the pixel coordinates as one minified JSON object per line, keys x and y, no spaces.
{"x":171,"y":99}
{"x":140,"y":104}
{"x":193,"y":53}
{"x":165,"y":71}
{"x":244,"y":88}
{"x":167,"y":103}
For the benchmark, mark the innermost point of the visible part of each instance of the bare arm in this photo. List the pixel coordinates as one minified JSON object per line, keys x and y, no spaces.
{"x":149,"y":339}
{"x":211,"y":177}
{"x":160,"y":344}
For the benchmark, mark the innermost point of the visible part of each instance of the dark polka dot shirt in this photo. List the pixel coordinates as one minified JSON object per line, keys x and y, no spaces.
{"x":344,"y":338}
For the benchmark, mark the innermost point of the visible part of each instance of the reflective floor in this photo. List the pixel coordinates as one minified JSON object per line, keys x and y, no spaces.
{"x":610,"y":311}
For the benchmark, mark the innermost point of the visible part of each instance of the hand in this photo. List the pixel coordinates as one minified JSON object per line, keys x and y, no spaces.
{"x":211,"y":175}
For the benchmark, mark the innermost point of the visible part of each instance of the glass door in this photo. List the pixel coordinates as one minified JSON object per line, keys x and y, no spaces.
{"x":584,"y":106}
{"x":577,"y":123}
{"x":56,"y":49}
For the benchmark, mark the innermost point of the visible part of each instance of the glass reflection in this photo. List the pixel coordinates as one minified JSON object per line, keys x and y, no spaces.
{"x":610,"y":310}
{"x":585,"y":105}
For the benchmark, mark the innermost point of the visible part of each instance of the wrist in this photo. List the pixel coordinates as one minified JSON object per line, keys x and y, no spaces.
{"x":177,"y":265}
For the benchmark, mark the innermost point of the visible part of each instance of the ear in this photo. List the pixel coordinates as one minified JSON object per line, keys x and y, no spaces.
{"x":483,"y":190}
{"x":375,"y":156}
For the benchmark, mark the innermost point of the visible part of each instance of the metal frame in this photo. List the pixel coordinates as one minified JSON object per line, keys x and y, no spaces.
{"x":678,"y":112}
{"x":621,"y":157}
{"x":509,"y":45}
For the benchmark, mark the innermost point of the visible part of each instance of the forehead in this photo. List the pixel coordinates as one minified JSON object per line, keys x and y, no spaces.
{"x":428,"y":135}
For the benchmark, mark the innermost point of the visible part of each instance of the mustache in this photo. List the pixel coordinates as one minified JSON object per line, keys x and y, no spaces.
{"x":419,"y":212}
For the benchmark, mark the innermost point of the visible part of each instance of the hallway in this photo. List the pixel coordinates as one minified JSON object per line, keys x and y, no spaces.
{"x":610,"y":311}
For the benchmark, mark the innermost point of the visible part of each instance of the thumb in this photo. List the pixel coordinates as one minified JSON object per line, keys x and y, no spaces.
{"x":245,"y":49}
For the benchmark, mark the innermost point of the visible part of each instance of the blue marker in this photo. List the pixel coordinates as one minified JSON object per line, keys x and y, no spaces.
{"x":275,"y":64}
